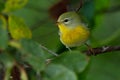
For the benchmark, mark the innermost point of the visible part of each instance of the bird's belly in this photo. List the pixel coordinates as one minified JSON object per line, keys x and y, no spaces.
{"x":74,"y":37}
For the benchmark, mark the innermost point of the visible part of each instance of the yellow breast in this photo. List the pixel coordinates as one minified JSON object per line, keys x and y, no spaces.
{"x":72,"y":37}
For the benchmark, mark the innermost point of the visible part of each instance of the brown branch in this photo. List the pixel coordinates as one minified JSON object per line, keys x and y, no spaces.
{"x":95,"y":51}
{"x":102,"y":50}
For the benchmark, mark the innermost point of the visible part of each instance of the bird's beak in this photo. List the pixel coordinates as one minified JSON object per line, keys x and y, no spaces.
{"x":57,"y":23}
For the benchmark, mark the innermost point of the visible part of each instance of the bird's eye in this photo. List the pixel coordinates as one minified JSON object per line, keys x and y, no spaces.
{"x":66,"y":20}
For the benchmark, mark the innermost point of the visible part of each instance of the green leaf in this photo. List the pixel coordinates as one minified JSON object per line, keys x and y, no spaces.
{"x":114,"y":3}
{"x":2,"y":5}
{"x":84,"y":74}
{"x":36,"y":15}
{"x":8,"y":62}
{"x":89,"y":6}
{"x":41,"y":4}
{"x":33,"y":54}
{"x":102,"y":4}
{"x":105,"y":67}
{"x":59,"y":72}
{"x":74,"y":60}
{"x":12,"y":5}
{"x":104,"y":33}
{"x":6,"y":59}
{"x":3,"y":36}
{"x":17,"y":28}
{"x":31,"y":74}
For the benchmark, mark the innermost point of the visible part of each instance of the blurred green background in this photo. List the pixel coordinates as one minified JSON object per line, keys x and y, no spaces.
{"x":103,"y":17}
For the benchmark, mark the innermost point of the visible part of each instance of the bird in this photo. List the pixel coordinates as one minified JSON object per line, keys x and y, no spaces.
{"x":73,"y":31}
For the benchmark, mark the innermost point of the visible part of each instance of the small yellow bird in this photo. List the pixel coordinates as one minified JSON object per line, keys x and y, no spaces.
{"x":73,"y":32}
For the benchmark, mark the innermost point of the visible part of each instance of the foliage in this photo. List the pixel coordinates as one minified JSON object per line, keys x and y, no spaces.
{"x":25,"y":25}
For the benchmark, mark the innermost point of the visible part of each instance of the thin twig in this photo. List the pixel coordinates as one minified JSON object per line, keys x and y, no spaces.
{"x":38,"y":75}
{"x":51,"y":52}
{"x":80,"y":5}
{"x":102,"y":50}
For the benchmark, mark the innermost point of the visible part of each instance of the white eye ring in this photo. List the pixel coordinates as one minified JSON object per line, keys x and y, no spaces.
{"x":66,"y":20}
